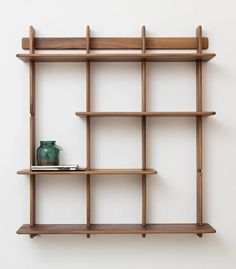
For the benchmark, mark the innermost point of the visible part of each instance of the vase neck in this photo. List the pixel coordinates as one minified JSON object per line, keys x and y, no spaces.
{"x":47,"y":143}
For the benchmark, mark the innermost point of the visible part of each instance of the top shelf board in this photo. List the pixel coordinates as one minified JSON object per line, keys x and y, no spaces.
{"x":117,"y":57}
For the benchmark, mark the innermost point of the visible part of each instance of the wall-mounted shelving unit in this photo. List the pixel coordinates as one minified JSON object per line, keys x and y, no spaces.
{"x":143,"y":44}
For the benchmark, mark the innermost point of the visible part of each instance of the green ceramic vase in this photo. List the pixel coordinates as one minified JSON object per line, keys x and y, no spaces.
{"x":48,"y":153}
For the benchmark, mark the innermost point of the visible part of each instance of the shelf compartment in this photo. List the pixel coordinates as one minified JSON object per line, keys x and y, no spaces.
{"x":91,"y":172}
{"x":188,"y":228}
{"x":148,"y":114}
{"x":117,"y":57}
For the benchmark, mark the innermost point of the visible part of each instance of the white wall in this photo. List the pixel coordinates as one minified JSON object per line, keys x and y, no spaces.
{"x":116,"y":142}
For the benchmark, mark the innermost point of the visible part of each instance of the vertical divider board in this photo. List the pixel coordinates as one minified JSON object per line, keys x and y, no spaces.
{"x":88,"y":129}
{"x":199,"y":129}
{"x":144,"y":181}
{"x":32,"y":129}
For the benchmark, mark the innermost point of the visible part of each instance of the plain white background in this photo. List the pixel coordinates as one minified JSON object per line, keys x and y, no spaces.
{"x":116,"y":143}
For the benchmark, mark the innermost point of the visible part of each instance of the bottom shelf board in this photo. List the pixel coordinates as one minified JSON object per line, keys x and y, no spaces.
{"x":179,"y":228}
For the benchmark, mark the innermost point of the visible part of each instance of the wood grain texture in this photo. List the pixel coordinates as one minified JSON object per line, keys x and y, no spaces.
{"x":142,"y":43}
{"x":90,"y":172}
{"x":88,"y":150}
{"x":143,"y":123}
{"x":185,"y":228}
{"x":32,"y":98}
{"x":148,"y":114}
{"x":117,"y":57}
{"x":107,"y":43}
{"x":32,"y":200}
{"x":199,"y":129}
{"x":32,"y":128}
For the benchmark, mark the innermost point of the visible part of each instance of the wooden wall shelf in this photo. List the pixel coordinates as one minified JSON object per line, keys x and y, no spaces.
{"x":142,"y":43}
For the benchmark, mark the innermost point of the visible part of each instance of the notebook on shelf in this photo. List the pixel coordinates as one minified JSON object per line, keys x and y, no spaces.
{"x":57,"y":168}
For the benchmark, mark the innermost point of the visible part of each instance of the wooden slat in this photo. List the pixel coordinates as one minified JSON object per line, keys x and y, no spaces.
{"x":179,"y":228}
{"x":88,"y":151}
{"x":143,"y":120}
{"x":32,"y":98}
{"x":90,"y":172}
{"x":148,"y":114}
{"x":32,"y":200}
{"x":199,"y":129}
{"x":107,"y":43}
{"x":32,"y":129}
{"x":117,"y":57}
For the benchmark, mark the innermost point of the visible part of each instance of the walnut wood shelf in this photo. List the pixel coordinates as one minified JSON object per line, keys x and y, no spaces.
{"x":148,"y":114}
{"x":91,"y":172}
{"x":197,"y":44}
{"x":179,"y":228}
{"x":114,"y":43}
{"x":118,"y":57}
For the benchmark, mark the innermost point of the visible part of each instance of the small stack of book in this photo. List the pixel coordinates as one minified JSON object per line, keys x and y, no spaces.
{"x":57,"y":168}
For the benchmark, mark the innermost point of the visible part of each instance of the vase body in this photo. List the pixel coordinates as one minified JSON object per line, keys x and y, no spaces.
{"x":48,"y":153}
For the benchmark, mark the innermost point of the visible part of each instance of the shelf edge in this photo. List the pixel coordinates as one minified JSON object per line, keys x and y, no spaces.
{"x":171,"y":228}
{"x":91,"y":172}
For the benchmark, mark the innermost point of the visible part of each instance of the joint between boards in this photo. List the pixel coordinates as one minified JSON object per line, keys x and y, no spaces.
{"x":33,"y":235}
{"x":88,"y":226}
{"x":199,"y":235}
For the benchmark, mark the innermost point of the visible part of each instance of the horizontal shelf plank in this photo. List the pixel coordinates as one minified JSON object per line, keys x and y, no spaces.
{"x":117,"y":57}
{"x":189,"y":228}
{"x":107,"y":43}
{"x":91,"y":172}
{"x":148,"y":114}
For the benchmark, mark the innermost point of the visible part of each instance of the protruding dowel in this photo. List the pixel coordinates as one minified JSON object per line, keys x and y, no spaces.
{"x":199,"y":129}
{"x":88,"y":126}
{"x":144,"y":183}
{"x":32,"y":128}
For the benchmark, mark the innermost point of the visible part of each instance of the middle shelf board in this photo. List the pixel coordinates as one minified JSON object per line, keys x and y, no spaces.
{"x":170,"y":228}
{"x":148,"y":114}
{"x":117,"y":57}
{"x":91,"y":172}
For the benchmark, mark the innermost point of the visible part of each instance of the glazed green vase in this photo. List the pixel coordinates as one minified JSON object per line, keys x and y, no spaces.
{"x":48,"y":153}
